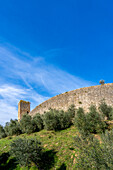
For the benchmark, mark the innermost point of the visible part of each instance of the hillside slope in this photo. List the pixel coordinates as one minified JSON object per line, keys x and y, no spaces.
{"x":59,"y":149}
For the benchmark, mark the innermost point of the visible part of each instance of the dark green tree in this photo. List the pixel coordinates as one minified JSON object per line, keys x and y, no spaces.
{"x":106,"y":110}
{"x":95,"y":124}
{"x":51,"y":120}
{"x":27,"y":124}
{"x":72,"y":110}
{"x":92,"y":154}
{"x":12,"y":128}
{"x":27,"y":151}
{"x":38,"y":121}
{"x":2,"y":132}
{"x":80,"y":121}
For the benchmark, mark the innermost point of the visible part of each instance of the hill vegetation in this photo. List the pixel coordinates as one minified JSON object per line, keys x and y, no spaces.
{"x":59,"y":140}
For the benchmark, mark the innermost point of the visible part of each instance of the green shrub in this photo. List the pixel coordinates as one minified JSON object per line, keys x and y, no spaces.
{"x":94,"y":155}
{"x":94,"y":121}
{"x":27,"y":124}
{"x":107,"y":147}
{"x":106,"y":110}
{"x":57,"y":120}
{"x":65,"y":119}
{"x":71,"y":111}
{"x":38,"y":121}
{"x":51,"y":120}
{"x":6,"y":128}
{"x":26,"y":151}
{"x":80,"y":121}
{"x":2,"y":132}
{"x":90,"y":122}
{"x":12,"y":128}
{"x":89,"y":153}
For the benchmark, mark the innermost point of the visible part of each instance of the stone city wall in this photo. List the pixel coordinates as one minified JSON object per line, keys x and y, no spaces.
{"x":82,"y":97}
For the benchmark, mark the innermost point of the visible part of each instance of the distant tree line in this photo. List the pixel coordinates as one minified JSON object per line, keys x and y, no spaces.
{"x":92,"y":122}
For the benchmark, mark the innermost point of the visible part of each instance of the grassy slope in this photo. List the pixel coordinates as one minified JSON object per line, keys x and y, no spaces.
{"x":58,"y":146}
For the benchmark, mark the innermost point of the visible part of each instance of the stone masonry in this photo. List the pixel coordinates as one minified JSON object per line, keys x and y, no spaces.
{"x":23,"y":107}
{"x":82,"y":97}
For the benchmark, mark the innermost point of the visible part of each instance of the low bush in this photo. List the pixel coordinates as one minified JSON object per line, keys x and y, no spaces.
{"x":51,"y":120}
{"x":90,"y":122}
{"x":65,"y":119}
{"x":95,"y":124}
{"x":38,"y":121}
{"x":27,"y":151}
{"x":6,"y":128}
{"x":92,"y":154}
{"x":2,"y":132}
{"x":80,"y":121}
{"x":57,"y":120}
{"x":12,"y":128}
{"x":27,"y":124}
{"x":71,"y":111}
{"x":106,"y":110}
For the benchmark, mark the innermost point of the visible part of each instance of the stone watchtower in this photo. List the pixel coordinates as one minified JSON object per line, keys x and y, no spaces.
{"x":23,"y":107}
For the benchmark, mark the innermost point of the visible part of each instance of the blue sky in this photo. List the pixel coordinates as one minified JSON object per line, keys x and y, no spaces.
{"x":48,"y":47}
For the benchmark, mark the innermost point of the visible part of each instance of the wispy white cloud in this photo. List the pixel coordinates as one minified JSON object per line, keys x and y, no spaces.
{"x":7,"y":111}
{"x":9,"y":98}
{"x":30,"y":78}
